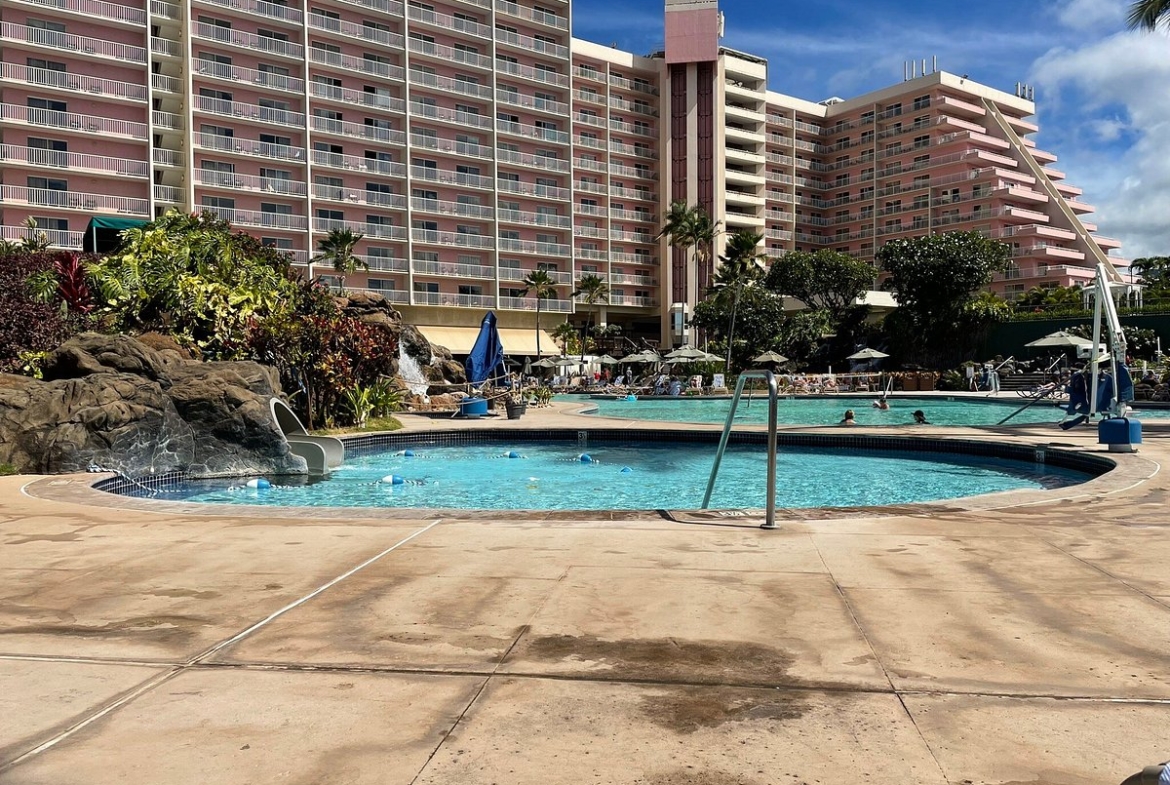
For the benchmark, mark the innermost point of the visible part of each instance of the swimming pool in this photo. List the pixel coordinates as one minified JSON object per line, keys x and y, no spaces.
{"x":939,"y":410}
{"x":632,"y":476}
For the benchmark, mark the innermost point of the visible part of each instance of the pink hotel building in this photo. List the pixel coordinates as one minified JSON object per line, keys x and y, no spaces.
{"x":472,"y":141}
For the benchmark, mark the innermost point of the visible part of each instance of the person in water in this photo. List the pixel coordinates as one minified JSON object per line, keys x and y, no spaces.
{"x":920,"y":417}
{"x":848,"y":419}
{"x":881,"y":404}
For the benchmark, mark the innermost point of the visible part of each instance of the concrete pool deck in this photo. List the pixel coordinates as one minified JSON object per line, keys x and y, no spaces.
{"x":1024,"y":642}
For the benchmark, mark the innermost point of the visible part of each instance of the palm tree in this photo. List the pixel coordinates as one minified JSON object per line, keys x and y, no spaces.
{"x":742,"y":267}
{"x":540,"y":284}
{"x":592,"y":290}
{"x":1148,"y":14}
{"x":337,"y":248}
{"x":679,"y":226}
{"x":705,"y":232}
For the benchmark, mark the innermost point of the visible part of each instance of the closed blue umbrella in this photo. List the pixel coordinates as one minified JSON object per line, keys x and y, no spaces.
{"x":487,"y":355}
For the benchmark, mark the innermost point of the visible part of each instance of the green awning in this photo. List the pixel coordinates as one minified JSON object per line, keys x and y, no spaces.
{"x":103,"y":233}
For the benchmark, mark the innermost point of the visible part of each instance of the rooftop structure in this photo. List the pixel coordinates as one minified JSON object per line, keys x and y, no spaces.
{"x":473,"y":141}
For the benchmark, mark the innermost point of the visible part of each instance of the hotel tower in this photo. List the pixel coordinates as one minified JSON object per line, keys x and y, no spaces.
{"x":473,"y":141}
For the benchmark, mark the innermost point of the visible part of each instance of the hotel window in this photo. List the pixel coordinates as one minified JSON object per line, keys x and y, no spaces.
{"x":922,"y":141}
{"x":470,"y":289}
{"x":380,"y":284}
{"x":328,"y":187}
{"x":52,"y":224}
{"x":893,"y":110}
{"x":39,"y":24}
{"x":922,"y":102}
{"x":222,"y":202}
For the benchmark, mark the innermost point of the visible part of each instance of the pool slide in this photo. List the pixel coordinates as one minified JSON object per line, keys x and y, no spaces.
{"x":323,"y":454}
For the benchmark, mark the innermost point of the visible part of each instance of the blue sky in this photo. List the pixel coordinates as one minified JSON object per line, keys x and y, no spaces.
{"x":1102,"y":92}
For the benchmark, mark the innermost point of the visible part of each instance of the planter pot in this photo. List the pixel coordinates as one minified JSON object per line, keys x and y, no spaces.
{"x":515,"y":409}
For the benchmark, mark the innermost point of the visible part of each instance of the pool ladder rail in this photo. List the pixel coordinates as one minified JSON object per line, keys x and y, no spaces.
{"x":773,"y":395}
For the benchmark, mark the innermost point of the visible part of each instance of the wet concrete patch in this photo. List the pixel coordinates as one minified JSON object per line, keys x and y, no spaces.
{"x":689,"y":709}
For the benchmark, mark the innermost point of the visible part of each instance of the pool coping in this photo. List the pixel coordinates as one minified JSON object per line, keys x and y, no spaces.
{"x":1119,"y":472}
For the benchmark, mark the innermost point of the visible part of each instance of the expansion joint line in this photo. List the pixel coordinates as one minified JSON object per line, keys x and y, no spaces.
{"x":200,"y":658}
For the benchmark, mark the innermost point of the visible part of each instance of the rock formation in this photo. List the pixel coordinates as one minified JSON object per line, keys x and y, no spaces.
{"x":116,"y":402}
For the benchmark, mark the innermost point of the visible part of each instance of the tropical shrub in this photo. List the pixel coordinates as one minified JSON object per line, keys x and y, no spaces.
{"x":31,"y":325}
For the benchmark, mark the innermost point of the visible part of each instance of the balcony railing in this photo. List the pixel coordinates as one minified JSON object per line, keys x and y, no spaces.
{"x":358,"y":164}
{"x":351,"y":30}
{"x":248,"y":182}
{"x":529,"y":304}
{"x":251,"y":76}
{"x":244,"y":40}
{"x":167,"y":193}
{"x":533,"y":247}
{"x":165,"y":84}
{"x":449,"y":270}
{"x":530,"y":102}
{"x":539,"y":17}
{"x":166,"y":120}
{"x":231,"y":144}
{"x":617,"y":102}
{"x":86,"y":123}
{"x":62,"y":80}
{"x":626,"y":84}
{"x":620,"y":148}
{"x":358,"y":130}
{"x":449,"y":54}
{"x":545,"y":162}
{"x":632,"y":193}
{"x":385,"y":264}
{"x":372,"y":231}
{"x":640,"y":130}
{"x":243,"y":111}
{"x":168,"y":157}
{"x":457,"y":300}
{"x":388,"y":7}
{"x":536,"y":219}
{"x":437,"y":207}
{"x":533,"y":189}
{"x":73,"y":200}
{"x":531,"y":44}
{"x":165,"y":10}
{"x":433,"y":237}
{"x":546,"y":75}
{"x":261,"y":8}
{"x":60,"y":159}
{"x":447,"y":84}
{"x":258,"y":218}
{"x":449,"y":146}
{"x":634,"y":258}
{"x":358,"y":196}
{"x":345,"y":95}
{"x":520,"y":273}
{"x":446,"y":176}
{"x":95,"y":9}
{"x":51,"y":39}
{"x":532,"y":132}
{"x":359,"y":64}
{"x":642,"y":302}
{"x":450,"y":115}
{"x":448,"y":22}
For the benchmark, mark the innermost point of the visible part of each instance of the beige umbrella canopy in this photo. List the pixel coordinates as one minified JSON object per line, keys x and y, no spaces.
{"x":642,"y":357}
{"x":770,"y":357}
{"x":690,"y":354}
{"x":1059,"y":340}
{"x":867,"y":354}
{"x":545,"y":363}
{"x":605,"y":359}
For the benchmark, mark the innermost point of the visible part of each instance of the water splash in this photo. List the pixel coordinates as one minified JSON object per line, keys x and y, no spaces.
{"x":411,"y":372}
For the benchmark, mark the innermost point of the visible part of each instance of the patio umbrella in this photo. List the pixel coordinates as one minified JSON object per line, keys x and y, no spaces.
{"x":545,"y":363}
{"x":605,"y":359}
{"x":1059,"y":340}
{"x":867,"y":354}
{"x":643,"y":357}
{"x":527,"y":366}
{"x":689,"y":354}
{"x":565,"y":362}
{"x":770,"y":357}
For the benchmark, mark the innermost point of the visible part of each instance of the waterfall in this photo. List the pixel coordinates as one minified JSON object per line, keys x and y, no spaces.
{"x":411,"y":372}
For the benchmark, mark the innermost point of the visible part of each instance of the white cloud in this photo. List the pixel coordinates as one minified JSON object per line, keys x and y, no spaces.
{"x":1092,"y":14}
{"x":1127,"y":73}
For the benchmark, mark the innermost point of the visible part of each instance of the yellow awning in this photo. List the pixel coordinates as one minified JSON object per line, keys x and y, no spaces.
{"x":518,"y":342}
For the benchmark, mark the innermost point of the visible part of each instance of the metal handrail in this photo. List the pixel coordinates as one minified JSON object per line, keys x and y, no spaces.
{"x":773,"y":395}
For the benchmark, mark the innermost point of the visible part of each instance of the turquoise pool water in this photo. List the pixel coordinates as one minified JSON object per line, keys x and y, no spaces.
{"x":552,"y":476}
{"x":829,"y":411}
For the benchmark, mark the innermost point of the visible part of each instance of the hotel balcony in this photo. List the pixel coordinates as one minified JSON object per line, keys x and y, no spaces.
{"x":372,"y":231}
{"x":644,"y":216}
{"x":247,"y":182}
{"x":450,"y":177}
{"x":249,"y":112}
{"x":545,"y":163}
{"x":85,"y":86}
{"x":457,"y":300}
{"x":387,"y":7}
{"x":644,"y":260}
{"x":748,"y":157}
{"x":1045,"y":251}
{"x":240,"y":39}
{"x":452,"y":270}
{"x":624,"y":127}
{"x":618,"y":235}
{"x":621,"y":104}
{"x":249,"y":76}
{"x":591,"y":232}
{"x":525,"y":218}
{"x":534,"y":189}
{"x":627,"y":300}
{"x":510,"y":98}
{"x":620,"y":148}
{"x":161,"y":83}
{"x":457,"y":239}
{"x":743,"y":115}
{"x":1079,"y":207}
{"x":38,"y":158}
{"x":644,"y":173}
{"x":92,"y":10}
{"x":633,"y":280}
{"x":1020,"y":125}
{"x":552,"y":250}
{"x":530,"y":44}
{"x":385,"y":264}
{"x":532,"y":132}
{"x":258,"y":219}
{"x":166,"y":121}
{"x":537,"y":17}
{"x":392,"y":295}
{"x":169,"y":195}
{"x":357,"y":97}
{"x":64,"y":42}
{"x":1107,"y":243}
{"x":592,"y":254}
{"x":459,"y":209}
{"x":20,"y":115}
{"x":589,"y":97}
{"x":542,"y":75}
{"x":57,"y":238}
{"x":520,"y":273}
{"x":529,"y":304}
{"x":626,"y":84}
{"x":163,"y":10}
{"x":259,"y":8}
{"x":168,"y":158}
{"x":739,"y":177}
{"x":445,"y":23}
{"x":448,"y":54}
{"x":632,"y":193}
{"x":592,"y":188}
{"x":452,"y":116}
{"x":350,"y":130}
{"x":349,"y":63}
{"x":446,"y":84}
{"x":355,"y":163}
{"x":73,"y":200}
{"x":342,"y":28}
{"x":442,"y":145}
{"x":588,"y":72}
{"x":589,"y":209}
{"x":359,"y":197}
{"x":590,"y":165}
{"x":250,"y":147}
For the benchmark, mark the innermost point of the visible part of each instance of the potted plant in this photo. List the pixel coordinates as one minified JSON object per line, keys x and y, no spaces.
{"x":515,"y":403}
